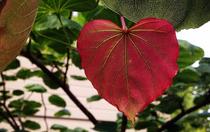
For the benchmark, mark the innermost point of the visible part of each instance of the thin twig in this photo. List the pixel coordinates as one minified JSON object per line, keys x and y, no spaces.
{"x":21,"y":123}
{"x":4,"y":89}
{"x":45,"y":112}
{"x":67,"y":65}
{"x":4,"y":115}
{"x":11,"y":116}
{"x":1,"y":83}
{"x":4,"y":104}
{"x":67,"y":49}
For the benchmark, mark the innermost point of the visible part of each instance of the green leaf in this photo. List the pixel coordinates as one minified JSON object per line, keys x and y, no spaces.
{"x":82,"y":5}
{"x":47,"y":22}
{"x":18,"y":92}
{"x":61,"y":6}
{"x":145,"y":124}
{"x":78,"y":129}
{"x":31,"y":125}
{"x":181,"y":13}
{"x":80,"y":78}
{"x":10,"y":78}
{"x":106,"y":127}
{"x":36,"y":88}
{"x":76,"y":60}
{"x":200,"y":99}
{"x":24,"y":73}
{"x":101,"y":13}
{"x":25,"y":107}
{"x":57,"y":101}
{"x":15,"y":64}
{"x":94,"y":98}
{"x":59,"y":127}
{"x":3,"y":130}
{"x":187,"y":75}
{"x":189,"y":54}
{"x":51,"y":84}
{"x":17,"y":104}
{"x":62,"y":113}
{"x":170,"y":104}
{"x":204,"y":66}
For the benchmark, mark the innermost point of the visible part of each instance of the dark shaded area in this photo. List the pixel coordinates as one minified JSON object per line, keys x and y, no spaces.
{"x":2,"y":3}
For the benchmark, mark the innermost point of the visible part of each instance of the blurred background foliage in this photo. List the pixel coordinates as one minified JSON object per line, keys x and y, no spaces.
{"x":52,"y":43}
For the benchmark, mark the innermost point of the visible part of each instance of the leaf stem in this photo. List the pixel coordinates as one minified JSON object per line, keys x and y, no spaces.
{"x":124,"y":27}
{"x":45,"y":112}
{"x":67,"y":49}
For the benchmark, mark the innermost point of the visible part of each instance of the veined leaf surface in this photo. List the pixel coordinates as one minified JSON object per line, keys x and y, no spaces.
{"x":129,"y":68}
{"x":16,"y":19}
{"x":183,"y":14}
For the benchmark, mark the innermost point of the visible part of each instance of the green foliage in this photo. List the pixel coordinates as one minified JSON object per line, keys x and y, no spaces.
{"x":183,"y":14}
{"x":170,"y":104}
{"x":80,"y":78}
{"x":62,"y":128}
{"x":24,"y":107}
{"x":36,"y":88}
{"x":57,"y":101}
{"x":18,"y":92}
{"x":188,"y":54}
{"x":31,"y":125}
{"x":94,"y":98}
{"x":15,"y":64}
{"x":61,"y":113}
{"x":59,"y":127}
{"x":23,"y":73}
{"x":106,"y":127}
{"x":3,"y":130}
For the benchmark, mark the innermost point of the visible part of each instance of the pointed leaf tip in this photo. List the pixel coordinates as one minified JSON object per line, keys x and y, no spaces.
{"x":129,"y":69}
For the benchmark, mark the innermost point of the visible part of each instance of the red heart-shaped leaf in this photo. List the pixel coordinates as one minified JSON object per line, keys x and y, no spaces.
{"x":16,"y":19}
{"x":129,"y":68}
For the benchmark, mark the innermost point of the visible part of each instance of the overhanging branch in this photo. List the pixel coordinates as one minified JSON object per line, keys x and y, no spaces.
{"x":64,"y":86}
{"x":186,"y":112}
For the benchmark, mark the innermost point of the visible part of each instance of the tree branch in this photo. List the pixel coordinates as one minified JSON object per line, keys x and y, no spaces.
{"x":1,"y":83}
{"x":67,"y":49}
{"x":171,"y":122}
{"x":14,"y":123}
{"x":4,"y":89}
{"x":4,"y":115}
{"x":64,"y":86}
